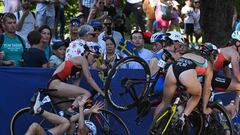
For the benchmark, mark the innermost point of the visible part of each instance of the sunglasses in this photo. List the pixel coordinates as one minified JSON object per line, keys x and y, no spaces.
{"x":97,"y":29}
{"x":75,"y":24}
{"x":101,"y":2}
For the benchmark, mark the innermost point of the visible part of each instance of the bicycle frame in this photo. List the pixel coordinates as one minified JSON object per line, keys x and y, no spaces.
{"x":173,"y":111}
{"x":134,"y":81}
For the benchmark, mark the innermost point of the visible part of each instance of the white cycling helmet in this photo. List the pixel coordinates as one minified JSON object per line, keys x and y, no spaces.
{"x":92,"y":128}
{"x":158,"y":37}
{"x":236,"y":35}
{"x":175,"y":36}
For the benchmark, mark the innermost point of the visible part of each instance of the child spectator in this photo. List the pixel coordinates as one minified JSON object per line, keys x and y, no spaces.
{"x":35,"y":56}
{"x":59,"y":50}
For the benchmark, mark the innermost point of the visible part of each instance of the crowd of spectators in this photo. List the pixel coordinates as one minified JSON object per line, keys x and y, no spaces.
{"x":101,"y":23}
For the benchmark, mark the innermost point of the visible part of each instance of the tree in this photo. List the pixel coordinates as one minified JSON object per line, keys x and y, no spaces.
{"x":216,"y":20}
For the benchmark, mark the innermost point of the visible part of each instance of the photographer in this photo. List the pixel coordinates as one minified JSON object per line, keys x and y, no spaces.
{"x":107,"y":33}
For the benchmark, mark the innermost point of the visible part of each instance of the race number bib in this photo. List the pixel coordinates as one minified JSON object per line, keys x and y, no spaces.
{"x":161,"y":63}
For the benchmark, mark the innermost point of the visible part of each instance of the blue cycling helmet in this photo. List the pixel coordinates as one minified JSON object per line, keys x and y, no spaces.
{"x":158,"y":37}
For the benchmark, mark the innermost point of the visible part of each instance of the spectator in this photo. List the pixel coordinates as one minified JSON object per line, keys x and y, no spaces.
{"x":84,"y":7}
{"x":197,"y":27}
{"x":119,"y":24}
{"x":97,"y":11}
{"x":149,"y":9}
{"x":163,"y":15}
{"x":45,"y":14}
{"x":25,"y":20}
{"x":175,"y":16}
{"x":11,"y":6}
{"x":138,"y":41}
{"x":59,"y":17}
{"x":35,"y":56}
{"x":73,"y":29}
{"x":109,"y":8}
{"x":86,"y":34}
{"x":61,"y":123}
{"x":188,"y":15}
{"x":135,"y":6}
{"x":59,"y":51}
{"x":46,"y":37}
{"x":110,"y":57}
{"x":85,"y":126}
{"x":98,"y":27}
{"x":12,"y":45}
{"x":108,"y":32}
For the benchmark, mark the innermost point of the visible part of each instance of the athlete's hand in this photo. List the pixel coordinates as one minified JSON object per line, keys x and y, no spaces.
{"x":97,"y":107}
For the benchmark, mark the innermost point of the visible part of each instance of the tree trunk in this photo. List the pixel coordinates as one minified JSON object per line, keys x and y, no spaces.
{"x":216,"y":20}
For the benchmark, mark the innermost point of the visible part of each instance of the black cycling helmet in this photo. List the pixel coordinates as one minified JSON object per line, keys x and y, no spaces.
{"x":209,"y":49}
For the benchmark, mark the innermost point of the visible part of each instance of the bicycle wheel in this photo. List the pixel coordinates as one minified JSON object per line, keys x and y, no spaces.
{"x":196,"y":122}
{"x":123,"y":90}
{"x":23,"y":118}
{"x":161,"y":123}
{"x":218,"y":122}
{"x":108,"y":123}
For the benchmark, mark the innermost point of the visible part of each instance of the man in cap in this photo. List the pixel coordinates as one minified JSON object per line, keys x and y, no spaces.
{"x":108,"y":32}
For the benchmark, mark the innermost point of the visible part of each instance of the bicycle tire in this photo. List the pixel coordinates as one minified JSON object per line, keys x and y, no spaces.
{"x":25,"y":116}
{"x":219,"y":119}
{"x":117,"y":93}
{"x":160,"y":123}
{"x":108,"y":123}
{"x":197,"y":121}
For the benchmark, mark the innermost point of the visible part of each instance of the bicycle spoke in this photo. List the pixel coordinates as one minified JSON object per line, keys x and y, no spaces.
{"x":109,"y":123}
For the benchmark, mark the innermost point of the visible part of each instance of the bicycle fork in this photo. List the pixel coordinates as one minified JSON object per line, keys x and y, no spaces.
{"x":172,"y":111}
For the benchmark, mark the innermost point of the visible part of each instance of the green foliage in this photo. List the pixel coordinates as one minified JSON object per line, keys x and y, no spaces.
{"x":72,"y":11}
{"x":238,"y":6}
